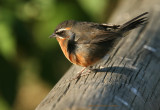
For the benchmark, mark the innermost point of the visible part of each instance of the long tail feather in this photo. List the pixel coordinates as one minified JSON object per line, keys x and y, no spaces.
{"x":134,"y":23}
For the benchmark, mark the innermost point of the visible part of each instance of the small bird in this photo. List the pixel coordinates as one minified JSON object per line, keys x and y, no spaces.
{"x":86,"y":43}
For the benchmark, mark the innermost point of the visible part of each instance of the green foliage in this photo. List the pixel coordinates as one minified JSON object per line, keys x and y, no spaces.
{"x":3,"y":105}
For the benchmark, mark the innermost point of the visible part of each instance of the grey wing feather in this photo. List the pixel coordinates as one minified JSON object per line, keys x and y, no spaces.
{"x":98,"y":38}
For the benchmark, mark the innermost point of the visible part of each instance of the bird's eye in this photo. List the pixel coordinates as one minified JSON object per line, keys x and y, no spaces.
{"x":60,"y":33}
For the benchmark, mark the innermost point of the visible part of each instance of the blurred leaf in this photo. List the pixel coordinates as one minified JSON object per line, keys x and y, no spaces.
{"x":3,"y":104}
{"x":7,"y":41}
{"x":94,"y":8}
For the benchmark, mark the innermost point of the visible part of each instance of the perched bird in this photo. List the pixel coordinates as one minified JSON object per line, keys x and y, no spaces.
{"x":85,"y":43}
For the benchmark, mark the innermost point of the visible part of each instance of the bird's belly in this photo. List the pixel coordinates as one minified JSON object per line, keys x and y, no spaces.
{"x":85,"y":61}
{"x":87,"y":55}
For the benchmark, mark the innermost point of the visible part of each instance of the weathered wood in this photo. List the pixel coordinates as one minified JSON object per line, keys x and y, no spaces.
{"x":130,"y":79}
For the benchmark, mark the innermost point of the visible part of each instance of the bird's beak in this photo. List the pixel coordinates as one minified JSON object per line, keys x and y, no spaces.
{"x":53,"y":35}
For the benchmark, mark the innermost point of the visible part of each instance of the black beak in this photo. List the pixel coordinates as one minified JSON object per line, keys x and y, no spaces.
{"x":53,"y":35}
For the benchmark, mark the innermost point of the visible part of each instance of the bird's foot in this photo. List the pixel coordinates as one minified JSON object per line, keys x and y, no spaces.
{"x":81,"y":73}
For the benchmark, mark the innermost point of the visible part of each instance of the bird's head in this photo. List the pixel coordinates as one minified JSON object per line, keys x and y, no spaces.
{"x":63,"y":30}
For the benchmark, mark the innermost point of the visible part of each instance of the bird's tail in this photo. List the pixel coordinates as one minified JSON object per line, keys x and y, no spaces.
{"x":134,"y":23}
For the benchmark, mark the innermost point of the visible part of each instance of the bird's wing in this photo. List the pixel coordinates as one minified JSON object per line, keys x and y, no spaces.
{"x":98,"y":37}
{"x":96,"y":33}
{"x":105,"y":37}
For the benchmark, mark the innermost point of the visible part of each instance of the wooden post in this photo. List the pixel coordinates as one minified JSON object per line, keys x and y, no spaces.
{"x":130,"y":79}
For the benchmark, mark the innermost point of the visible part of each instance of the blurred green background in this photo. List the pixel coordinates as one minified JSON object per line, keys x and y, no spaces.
{"x":30,"y":62}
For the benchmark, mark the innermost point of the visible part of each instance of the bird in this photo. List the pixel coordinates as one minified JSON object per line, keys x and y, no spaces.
{"x":86,"y":43}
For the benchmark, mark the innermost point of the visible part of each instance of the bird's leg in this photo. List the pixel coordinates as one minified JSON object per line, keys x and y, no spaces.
{"x":90,"y":69}
{"x":80,"y":72}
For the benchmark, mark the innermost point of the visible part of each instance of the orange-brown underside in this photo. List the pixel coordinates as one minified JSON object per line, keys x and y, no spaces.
{"x":77,"y":58}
